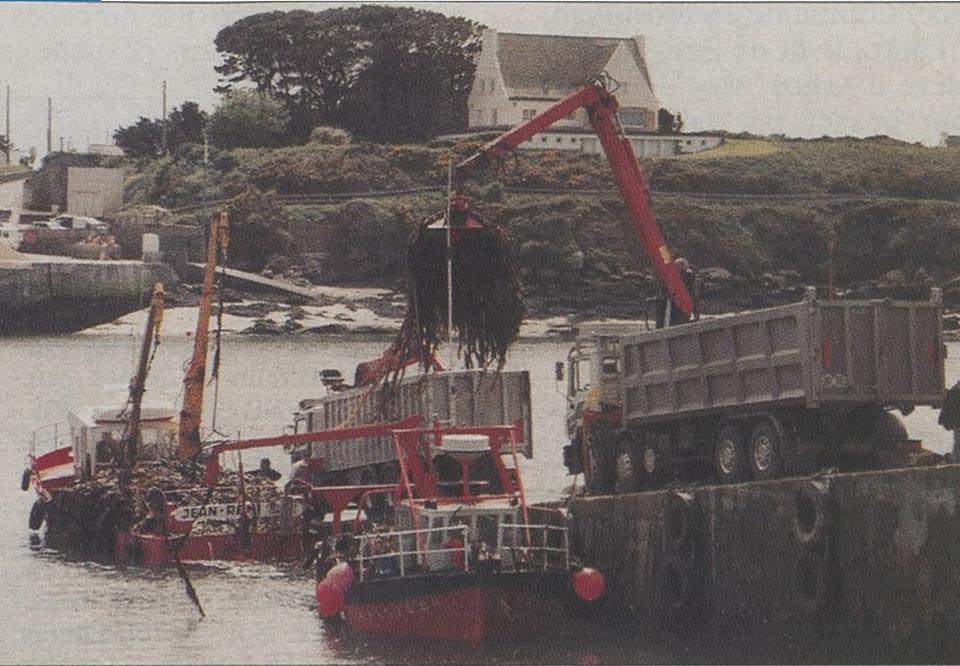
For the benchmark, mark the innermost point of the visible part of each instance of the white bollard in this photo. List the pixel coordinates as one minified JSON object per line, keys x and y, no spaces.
{"x":151,"y":248}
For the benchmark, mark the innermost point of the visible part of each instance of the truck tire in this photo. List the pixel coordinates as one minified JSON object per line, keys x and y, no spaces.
{"x":626,"y":477}
{"x":729,"y":454}
{"x":764,"y":451}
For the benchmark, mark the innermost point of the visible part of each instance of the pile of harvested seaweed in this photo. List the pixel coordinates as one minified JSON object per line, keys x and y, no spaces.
{"x":85,"y":516}
{"x":487,"y":309}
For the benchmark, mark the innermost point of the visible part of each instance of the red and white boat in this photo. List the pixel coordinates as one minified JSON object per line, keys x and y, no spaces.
{"x":464,"y":557}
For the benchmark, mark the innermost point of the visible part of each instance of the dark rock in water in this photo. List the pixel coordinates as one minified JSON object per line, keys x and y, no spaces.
{"x":259,"y":310}
{"x":263,"y":327}
{"x":327,"y":329}
{"x":374,"y":330}
{"x":296,"y":314}
{"x":291,"y":326}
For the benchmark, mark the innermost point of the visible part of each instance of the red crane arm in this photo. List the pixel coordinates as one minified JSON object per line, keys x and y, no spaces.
{"x":601,"y":106}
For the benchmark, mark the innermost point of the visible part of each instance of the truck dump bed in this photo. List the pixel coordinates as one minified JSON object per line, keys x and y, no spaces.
{"x":479,"y":398}
{"x":810,"y":354}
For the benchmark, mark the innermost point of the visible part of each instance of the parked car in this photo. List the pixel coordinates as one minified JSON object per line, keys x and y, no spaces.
{"x":80,"y":223}
{"x":49,"y":224}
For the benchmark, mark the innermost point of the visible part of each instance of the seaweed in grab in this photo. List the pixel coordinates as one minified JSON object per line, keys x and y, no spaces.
{"x":487,"y":308}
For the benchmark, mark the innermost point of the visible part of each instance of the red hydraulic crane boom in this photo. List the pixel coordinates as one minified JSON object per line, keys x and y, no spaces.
{"x":601,"y":107}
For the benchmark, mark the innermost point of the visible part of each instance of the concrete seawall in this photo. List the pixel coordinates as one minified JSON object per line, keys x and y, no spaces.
{"x":58,"y":295}
{"x":877,"y":551}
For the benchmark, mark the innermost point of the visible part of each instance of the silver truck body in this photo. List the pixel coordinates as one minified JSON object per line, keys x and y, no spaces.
{"x":478,"y":398}
{"x":809,"y":354}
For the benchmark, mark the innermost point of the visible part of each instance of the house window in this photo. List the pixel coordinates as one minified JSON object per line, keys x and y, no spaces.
{"x":491,"y":86}
{"x":543,"y":139}
{"x":559,"y":139}
{"x":632,"y":117}
{"x":483,"y":85}
{"x":493,"y":116}
{"x":528,"y":114}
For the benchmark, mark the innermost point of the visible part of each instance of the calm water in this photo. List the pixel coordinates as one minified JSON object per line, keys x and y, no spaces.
{"x":52,"y":610}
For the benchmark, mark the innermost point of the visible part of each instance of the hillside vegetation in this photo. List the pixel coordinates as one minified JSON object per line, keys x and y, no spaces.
{"x":891,"y":209}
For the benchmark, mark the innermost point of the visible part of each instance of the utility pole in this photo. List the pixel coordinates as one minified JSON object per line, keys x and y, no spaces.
{"x":7,"y":135}
{"x":49,"y":125}
{"x":163,"y":141}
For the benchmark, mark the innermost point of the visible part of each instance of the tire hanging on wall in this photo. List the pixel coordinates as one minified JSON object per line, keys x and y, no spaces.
{"x":809,"y":515}
{"x":37,"y":514}
{"x":679,"y":524}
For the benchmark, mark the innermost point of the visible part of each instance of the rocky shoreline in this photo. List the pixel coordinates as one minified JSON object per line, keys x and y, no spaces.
{"x":377,"y":313}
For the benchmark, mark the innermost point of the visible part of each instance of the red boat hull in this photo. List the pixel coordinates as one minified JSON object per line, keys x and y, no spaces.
{"x":459,"y":606}
{"x":158,"y":550}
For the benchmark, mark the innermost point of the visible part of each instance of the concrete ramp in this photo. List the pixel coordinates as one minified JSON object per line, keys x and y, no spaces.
{"x":252,"y":282}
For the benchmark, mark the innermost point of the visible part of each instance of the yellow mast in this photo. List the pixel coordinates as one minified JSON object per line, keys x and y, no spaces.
{"x":189,"y":435}
{"x":131,"y":443}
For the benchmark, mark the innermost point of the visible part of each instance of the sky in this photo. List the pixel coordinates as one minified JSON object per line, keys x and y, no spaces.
{"x":805,"y":70}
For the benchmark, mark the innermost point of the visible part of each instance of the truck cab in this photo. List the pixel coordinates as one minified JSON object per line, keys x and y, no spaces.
{"x":592,"y":380}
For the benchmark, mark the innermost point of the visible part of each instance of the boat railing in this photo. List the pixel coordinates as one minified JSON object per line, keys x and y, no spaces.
{"x":50,"y":437}
{"x":397,"y":552}
{"x":533,"y":547}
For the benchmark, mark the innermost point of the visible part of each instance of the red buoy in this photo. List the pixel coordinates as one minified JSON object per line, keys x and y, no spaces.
{"x":329,"y":599}
{"x":588,"y":584}
{"x":340,"y":577}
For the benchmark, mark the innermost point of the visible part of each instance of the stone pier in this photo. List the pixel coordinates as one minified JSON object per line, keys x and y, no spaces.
{"x":878,"y":552}
{"x":46,"y":294}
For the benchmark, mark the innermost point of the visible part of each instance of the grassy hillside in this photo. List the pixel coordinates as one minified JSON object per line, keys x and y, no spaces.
{"x":892,"y":210}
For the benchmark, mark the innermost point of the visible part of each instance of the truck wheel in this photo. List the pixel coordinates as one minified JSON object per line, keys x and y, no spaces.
{"x":764,"y":451}
{"x":729,"y":457}
{"x":625,"y":471}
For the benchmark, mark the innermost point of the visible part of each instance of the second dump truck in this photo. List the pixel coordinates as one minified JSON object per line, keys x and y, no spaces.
{"x":755,"y":395}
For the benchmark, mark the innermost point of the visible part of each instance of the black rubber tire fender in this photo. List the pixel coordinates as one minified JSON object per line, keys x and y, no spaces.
{"x":679,"y":519}
{"x":809,"y":515}
{"x":810,"y":580}
{"x":38,"y":512}
{"x":25,"y":480}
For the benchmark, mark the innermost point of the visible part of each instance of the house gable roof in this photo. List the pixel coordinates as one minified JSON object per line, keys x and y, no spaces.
{"x":558,"y":62}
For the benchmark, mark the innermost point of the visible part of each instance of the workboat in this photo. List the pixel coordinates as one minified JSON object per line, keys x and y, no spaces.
{"x":460,"y":556}
{"x":126,"y":483}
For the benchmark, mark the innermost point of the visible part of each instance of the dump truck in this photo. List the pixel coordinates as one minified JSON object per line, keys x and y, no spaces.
{"x":460,"y":398}
{"x":755,"y":395}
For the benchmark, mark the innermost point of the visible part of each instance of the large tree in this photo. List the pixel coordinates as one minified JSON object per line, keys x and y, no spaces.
{"x":145,"y":137}
{"x":248,"y":119}
{"x":388,"y":73}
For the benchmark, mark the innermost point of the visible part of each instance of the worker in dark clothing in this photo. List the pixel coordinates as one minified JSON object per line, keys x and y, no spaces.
{"x":266,"y":471}
{"x":106,"y":449}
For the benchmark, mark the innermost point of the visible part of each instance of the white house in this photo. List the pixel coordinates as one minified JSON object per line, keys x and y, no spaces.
{"x":519,"y":76}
